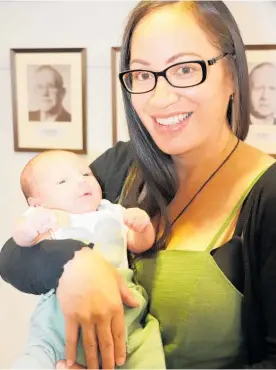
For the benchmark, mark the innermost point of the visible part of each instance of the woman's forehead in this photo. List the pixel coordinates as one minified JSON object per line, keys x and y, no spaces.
{"x":168,"y":31}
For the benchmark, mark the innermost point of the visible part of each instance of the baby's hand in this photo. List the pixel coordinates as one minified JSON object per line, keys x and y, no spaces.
{"x":39,"y":221}
{"x":136,"y":219}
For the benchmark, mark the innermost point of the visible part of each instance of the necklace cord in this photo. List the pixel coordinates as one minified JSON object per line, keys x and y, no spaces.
{"x":205,"y":183}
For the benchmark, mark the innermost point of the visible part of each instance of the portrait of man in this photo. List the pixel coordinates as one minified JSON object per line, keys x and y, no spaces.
{"x":262,"y":79}
{"x":48,"y":93}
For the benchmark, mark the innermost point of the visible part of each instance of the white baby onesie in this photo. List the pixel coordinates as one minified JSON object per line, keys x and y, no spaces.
{"x":104,"y":227}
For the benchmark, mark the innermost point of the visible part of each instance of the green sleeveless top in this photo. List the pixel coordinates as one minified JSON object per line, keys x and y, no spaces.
{"x":198,"y":308}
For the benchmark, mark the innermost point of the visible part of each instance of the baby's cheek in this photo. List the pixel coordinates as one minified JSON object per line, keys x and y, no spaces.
{"x":97,"y":187}
{"x":63,"y":198}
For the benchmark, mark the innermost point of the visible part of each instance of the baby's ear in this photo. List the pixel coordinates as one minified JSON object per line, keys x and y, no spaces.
{"x":34,"y":202}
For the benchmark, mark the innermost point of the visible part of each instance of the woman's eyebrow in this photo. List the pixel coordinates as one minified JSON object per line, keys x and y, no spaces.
{"x":170,"y":60}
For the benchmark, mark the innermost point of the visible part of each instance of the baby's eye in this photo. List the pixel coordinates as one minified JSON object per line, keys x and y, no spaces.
{"x":87,"y":174}
{"x":62,"y":182}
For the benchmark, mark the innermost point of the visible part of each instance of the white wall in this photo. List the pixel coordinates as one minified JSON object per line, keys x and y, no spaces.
{"x":96,"y":25}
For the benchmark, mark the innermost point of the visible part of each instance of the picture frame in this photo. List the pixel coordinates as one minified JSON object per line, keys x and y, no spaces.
{"x":119,"y":123}
{"x":261,"y":60}
{"x":49,"y":99}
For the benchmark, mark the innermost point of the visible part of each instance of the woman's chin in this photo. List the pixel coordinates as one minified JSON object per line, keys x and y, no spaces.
{"x":174,"y":147}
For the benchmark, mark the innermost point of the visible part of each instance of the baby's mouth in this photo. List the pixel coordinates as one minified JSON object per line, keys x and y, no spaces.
{"x":87,"y":194}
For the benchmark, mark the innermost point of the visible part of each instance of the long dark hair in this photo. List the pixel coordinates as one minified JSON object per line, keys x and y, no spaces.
{"x":152,"y":182}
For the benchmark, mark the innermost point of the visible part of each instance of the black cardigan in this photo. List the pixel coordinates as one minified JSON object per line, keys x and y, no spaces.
{"x":36,"y":270}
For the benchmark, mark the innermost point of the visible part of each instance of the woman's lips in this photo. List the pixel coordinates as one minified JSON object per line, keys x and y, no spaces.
{"x":172,"y":123}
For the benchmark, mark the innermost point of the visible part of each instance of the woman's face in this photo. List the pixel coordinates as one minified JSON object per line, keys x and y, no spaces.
{"x":165,"y":37}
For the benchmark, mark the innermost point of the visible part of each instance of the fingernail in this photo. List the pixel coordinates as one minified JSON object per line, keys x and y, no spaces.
{"x":61,"y":365}
{"x":69,"y":363}
{"x":120,"y":361}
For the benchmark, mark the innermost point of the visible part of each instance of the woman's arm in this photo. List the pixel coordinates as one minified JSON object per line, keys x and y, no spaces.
{"x":260,"y":274}
{"x":111,"y":169}
{"x":36,"y":270}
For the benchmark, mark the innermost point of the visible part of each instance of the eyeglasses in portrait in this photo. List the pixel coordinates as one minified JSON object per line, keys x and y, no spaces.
{"x":49,"y":99}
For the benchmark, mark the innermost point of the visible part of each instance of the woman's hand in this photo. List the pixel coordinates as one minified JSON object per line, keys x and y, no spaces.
{"x":62,"y":365}
{"x":91,"y":294}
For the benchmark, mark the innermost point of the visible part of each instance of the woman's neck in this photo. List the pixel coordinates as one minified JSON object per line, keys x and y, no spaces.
{"x":197,"y":165}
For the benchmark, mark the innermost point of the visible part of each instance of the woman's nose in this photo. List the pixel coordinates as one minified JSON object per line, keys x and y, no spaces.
{"x":164,"y":94}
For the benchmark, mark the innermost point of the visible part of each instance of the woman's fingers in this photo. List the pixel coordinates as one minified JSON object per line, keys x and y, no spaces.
{"x":71,"y":339}
{"x":119,"y":337}
{"x":90,"y":294}
{"x":90,"y":346}
{"x":62,"y":365}
{"x":106,"y":345}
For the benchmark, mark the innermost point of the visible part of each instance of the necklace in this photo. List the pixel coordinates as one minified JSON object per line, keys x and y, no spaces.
{"x":205,"y":183}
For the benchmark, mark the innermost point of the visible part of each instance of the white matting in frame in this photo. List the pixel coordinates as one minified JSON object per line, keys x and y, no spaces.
{"x":49,"y":99}
{"x":261,"y":61}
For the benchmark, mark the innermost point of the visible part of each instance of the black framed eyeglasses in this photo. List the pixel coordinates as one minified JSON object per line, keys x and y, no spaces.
{"x":182,"y":75}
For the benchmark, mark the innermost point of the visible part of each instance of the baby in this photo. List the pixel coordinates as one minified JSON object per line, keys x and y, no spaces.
{"x":65,"y":202}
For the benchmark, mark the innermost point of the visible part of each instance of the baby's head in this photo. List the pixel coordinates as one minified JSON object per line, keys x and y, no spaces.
{"x":60,"y":180}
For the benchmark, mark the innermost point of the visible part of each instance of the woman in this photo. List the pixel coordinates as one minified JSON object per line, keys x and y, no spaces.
{"x":210,"y":277}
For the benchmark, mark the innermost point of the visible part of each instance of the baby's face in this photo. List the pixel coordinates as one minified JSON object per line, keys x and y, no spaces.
{"x":64,"y":181}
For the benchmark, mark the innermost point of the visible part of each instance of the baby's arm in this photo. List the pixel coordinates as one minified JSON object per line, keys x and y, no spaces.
{"x":141,"y":233}
{"x":35,"y":225}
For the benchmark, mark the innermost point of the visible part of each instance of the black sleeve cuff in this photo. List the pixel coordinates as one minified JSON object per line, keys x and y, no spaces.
{"x":37,"y":269}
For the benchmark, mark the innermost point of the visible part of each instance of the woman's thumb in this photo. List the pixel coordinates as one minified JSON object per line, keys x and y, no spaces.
{"x":126,"y":294}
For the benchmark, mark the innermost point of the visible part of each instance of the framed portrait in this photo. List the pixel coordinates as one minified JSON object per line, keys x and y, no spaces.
{"x":261,"y":61}
{"x":49,"y":99}
{"x":119,"y":124}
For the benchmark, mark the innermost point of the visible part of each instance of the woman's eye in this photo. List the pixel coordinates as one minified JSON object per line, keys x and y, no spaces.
{"x":142,"y":76}
{"x":185,"y":70}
